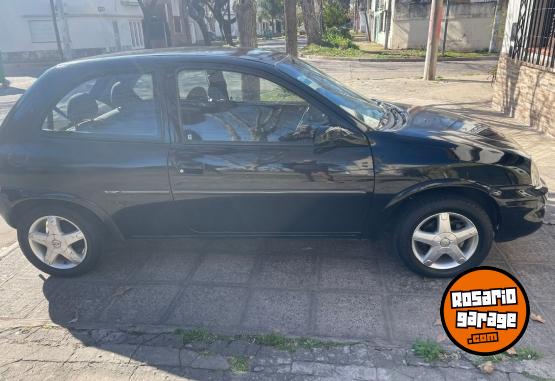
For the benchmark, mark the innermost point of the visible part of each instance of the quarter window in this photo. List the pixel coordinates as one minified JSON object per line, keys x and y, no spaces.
{"x":216,"y":105}
{"x":117,"y":105}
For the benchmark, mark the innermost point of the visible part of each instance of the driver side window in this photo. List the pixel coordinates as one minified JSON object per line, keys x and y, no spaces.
{"x":227,"y":106}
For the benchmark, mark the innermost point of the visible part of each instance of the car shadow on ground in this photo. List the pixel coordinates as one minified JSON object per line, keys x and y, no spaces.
{"x":331,"y":289}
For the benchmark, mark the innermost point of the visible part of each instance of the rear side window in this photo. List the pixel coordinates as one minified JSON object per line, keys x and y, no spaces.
{"x":117,"y":105}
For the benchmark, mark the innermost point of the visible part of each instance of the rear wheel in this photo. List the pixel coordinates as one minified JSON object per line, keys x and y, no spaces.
{"x":59,"y":240}
{"x":442,"y":238}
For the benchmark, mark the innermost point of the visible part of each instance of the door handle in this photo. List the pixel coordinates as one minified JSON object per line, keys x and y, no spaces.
{"x":197,"y":170}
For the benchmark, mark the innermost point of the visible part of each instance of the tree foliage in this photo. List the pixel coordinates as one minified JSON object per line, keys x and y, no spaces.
{"x":271,"y":10}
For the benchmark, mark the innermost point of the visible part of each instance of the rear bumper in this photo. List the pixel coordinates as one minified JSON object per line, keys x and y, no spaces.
{"x":523,"y":216}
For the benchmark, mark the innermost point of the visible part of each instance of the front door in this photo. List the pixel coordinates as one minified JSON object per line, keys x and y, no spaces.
{"x":255,"y":158}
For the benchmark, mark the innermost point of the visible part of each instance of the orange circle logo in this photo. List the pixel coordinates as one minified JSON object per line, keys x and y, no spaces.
{"x":485,"y":310}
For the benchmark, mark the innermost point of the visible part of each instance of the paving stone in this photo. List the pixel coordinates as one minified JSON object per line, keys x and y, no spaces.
{"x":356,"y":372}
{"x":348,"y":315}
{"x":225,"y":268}
{"x":167,"y":266}
{"x":112,"y":353}
{"x":151,"y":373}
{"x":36,"y":352}
{"x":211,"y":362}
{"x":20,"y":296}
{"x":414,"y":317}
{"x":209,"y":306}
{"x":399,"y":279}
{"x":536,"y":248}
{"x":538,"y":279}
{"x":186,"y":357}
{"x":157,"y":356}
{"x":409,"y":373}
{"x":139,"y":304}
{"x":235,"y":348}
{"x":276,"y":310}
{"x":117,"y":265}
{"x":94,"y":372}
{"x":351,"y":274}
{"x":73,"y":301}
{"x":312,"y":368}
{"x":287,"y":271}
{"x":31,"y":371}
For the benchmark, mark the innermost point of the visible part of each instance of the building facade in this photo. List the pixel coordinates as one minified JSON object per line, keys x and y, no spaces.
{"x":525,"y":80}
{"x":84,"y":28}
{"x":403,"y":24}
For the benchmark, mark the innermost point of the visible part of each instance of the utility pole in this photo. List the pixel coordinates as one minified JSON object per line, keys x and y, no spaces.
{"x":56,"y":31}
{"x":445,"y":26}
{"x":494,"y":29}
{"x":290,"y":7}
{"x":434,"y":32}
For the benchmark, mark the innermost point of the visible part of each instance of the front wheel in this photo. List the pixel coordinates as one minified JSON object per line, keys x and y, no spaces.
{"x":442,"y":238}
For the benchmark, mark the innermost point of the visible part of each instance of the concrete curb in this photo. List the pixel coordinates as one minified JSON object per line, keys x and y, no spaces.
{"x":418,"y":59}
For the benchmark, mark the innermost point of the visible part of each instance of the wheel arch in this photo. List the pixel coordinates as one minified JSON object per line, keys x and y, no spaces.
{"x":89,"y":211}
{"x":479,"y":195}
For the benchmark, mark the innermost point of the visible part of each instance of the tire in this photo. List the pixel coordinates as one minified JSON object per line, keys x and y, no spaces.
{"x":424,"y":213}
{"x":91,"y":241}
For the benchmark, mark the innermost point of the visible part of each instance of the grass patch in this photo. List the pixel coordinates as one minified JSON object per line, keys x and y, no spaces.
{"x":274,"y":340}
{"x":197,"y":335}
{"x":527,"y":354}
{"x":317,"y":50}
{"x":291,"y":344}
{"x":493,"y":358}
{"x":372,"y":50}
{"x":427,"y":349}
{"x":239,"y":364}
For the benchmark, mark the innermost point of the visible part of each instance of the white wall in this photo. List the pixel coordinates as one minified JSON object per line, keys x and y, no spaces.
{"x":89,"y":24}
{"x":469,"y":26}
{"x":512,"y":18}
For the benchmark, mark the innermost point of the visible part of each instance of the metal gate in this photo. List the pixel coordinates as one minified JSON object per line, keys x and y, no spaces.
{"x":533,"y":36}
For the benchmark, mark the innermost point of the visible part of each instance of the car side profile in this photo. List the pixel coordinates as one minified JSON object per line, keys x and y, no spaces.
{"x":250,"y":143}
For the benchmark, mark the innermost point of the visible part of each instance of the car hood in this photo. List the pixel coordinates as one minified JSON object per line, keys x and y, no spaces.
{"x":450,"y":126}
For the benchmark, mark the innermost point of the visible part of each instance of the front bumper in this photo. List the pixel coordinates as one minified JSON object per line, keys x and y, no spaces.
{"x":522,"y":214}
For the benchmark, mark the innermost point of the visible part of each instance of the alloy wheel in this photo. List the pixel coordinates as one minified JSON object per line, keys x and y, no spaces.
{"x":57,"y":242}
{"x":445,"y":240}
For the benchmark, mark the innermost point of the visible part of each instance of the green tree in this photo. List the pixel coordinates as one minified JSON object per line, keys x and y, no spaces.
{"x":271,"y":10}
{"x":335,"y":14}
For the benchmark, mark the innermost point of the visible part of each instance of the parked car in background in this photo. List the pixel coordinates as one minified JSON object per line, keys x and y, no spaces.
{"x":241,"y":143}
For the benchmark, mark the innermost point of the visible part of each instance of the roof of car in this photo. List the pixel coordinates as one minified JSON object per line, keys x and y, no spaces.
{"x":261,"y":55}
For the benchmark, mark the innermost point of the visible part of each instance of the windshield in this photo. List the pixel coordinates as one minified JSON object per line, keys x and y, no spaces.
{"x":365,"y":110}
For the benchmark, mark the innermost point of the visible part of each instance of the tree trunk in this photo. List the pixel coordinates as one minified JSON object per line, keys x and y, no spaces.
{"x":196,"y":12}
{"x":290,"y":19}
{"x":186,"y":24}
{"x":246,"y":22}
{"x":312,"y":24}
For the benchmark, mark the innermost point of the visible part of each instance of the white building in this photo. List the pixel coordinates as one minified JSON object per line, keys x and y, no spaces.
{"x":403,"y":24}
{"x":85,"y":28}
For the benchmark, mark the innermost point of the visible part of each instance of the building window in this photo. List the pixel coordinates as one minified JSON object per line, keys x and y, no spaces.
{"x":177,"y":24}
{"x":42,"y":31}
{"x":136,"y":31}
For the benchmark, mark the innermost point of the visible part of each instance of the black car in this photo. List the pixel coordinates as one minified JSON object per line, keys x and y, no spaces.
{"x":250,"y":143}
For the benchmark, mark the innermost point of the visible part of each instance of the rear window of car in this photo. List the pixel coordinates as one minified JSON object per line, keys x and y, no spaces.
{"x":116,"y":105}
